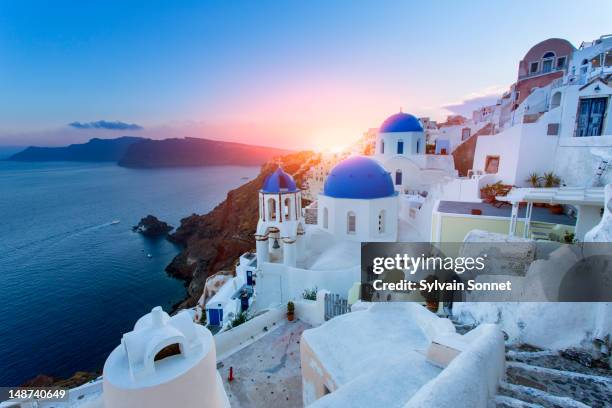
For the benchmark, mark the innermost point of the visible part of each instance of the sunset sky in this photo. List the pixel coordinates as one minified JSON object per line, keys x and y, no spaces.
{"x":295,"y":74}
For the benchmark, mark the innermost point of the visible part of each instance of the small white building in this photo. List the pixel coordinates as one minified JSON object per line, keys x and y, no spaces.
{"x":359,"y":202}
{"x":164,"y":362}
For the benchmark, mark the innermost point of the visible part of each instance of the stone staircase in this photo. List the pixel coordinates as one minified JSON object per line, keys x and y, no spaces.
{"x":547,"y":379}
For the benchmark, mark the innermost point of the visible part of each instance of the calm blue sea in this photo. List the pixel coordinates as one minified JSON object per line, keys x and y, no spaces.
{"x":70,"y":282}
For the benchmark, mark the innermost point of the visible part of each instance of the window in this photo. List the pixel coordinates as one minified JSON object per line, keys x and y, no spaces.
{"x":418,"y":146}
{"x":465,"y":133}
{"x":590,"y":117}
{"x":608,"y":59}
{"x":325,"y":218}
{"x":561,"y":62}
{"x":400,"y":147}
{"x":533,"y":68}
{"x":555,"y":100}
{"x":492,"y":164}
{"x":271,"y":209}
{"x":381,"y":222}
{"x":398,"y":177}
{"x":596,"y":62}
{"x":547,"y":61}
{"x":351,"y":223}
{"x":168,"y":351}
{"x":287,"y":208}
{"x":382,"y":147}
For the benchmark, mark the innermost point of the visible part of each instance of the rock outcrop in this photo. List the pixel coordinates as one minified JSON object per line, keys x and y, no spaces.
{"x":151,"y":227}
{"x":79,"y":378}
{"x":213,"y":242}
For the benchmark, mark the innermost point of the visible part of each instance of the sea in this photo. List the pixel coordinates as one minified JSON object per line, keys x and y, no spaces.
{"x":72,"y":279}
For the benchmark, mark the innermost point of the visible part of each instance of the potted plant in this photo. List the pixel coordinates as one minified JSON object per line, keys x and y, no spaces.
{"x":551,"y":180}
{"x":290,"y":311}
{"x":536,"y":181}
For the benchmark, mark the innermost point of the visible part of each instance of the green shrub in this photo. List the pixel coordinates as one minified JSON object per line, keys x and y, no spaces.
{"x":240,"y":318}
{"x":310,"y":294}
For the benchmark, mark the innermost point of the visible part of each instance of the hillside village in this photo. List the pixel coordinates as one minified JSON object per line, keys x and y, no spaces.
{"x":289,"y":326}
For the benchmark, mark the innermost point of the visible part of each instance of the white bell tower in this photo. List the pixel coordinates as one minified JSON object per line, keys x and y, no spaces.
{"x":280,"y":227}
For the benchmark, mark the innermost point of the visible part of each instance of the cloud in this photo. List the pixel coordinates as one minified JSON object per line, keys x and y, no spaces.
{"x":105,"y":124}
{"x":475,"y":100}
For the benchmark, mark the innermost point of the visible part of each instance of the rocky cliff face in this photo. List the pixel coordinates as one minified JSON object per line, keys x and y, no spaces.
{"x":214,"y":241}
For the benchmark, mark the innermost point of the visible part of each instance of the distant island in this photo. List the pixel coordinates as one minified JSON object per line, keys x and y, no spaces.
{"x":139,"y":152}
{"x":196,"y":152}
{"x":96,"y":150}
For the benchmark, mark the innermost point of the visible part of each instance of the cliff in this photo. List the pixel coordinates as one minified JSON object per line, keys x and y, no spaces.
{"x":96,"y":150}
{"x":195,"y":152}
{"x":213,"y":242}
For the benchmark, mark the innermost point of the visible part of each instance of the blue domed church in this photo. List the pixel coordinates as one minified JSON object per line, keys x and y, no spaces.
{"x":359,"y":202}
{"x":400,"y":148}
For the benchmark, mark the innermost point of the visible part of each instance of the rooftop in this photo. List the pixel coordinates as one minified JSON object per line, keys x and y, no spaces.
{"x":381,"y":346}
{"x":538,"y":214}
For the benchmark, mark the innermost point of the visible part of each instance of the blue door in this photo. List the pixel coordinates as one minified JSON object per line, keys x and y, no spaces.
{"x":250,"y":278}
{"x":398,"y":178}
{"x":215,"y":317}
{"x":400,"y":147}
{"x":590,"y":117}
{"x":244,"y":302}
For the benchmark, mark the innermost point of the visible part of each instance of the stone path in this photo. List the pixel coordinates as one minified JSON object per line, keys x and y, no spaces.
{"x":547,"y":379}
{"x":267,"y":373}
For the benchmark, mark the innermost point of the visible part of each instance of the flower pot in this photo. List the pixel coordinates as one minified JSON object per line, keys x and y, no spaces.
{"x":476,"y":211}
{"x":290,"y":316}
{"x":556,"y":209}
{"x":432,"y":305}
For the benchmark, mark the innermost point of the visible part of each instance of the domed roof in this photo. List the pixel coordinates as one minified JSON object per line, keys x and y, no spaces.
{"x":401,"y":122}
{"x":279,"y":182}
{"x":358,"y":177}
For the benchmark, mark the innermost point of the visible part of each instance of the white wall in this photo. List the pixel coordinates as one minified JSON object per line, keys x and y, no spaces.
{"x":277,"y":283}
{"x":471,"y":379}
{"x":230,"y":341}
{"x":410,"y":139}
{"x":366,"y":212}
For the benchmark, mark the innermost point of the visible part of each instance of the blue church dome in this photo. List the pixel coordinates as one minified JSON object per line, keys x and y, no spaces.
{"x":401,"y":122}
{"x":279,"y":182}
{"x":358,"y":177}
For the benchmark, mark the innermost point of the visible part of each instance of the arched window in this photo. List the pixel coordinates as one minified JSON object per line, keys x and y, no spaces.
{"x":325,"y":218}
{"x":398,"y":177}
{"x":381,"y":222}
{"x":287,"y":208}
{"x":351,"y":223}
{"x":382,"y":147}
{"x":168,"y":351}
{"x":555,"y":100}
{"x":548,"y":60}
{"x":271,"y":209}
{"x":400,"y":147}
